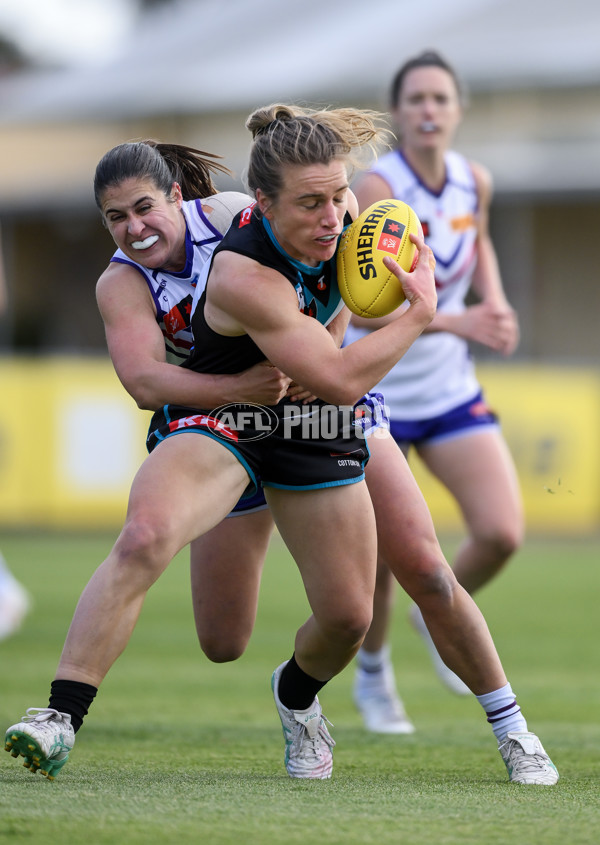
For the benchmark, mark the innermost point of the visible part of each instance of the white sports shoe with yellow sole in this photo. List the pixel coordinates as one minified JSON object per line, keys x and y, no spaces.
{"x":44,"y":738}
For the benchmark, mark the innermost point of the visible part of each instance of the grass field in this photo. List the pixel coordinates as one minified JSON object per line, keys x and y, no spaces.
{"x":178,"y":750}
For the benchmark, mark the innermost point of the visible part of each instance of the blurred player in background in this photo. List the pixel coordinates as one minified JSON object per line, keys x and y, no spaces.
{"x":14,"y":602}
{"x":434,"y":399}
{"x":14,"y":598}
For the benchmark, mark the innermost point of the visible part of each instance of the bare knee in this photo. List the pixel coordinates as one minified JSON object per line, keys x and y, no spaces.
{"x":142,"y":547}
{"x":430,"y":579}
{"x":499,"y":542}
{"x":223,"y":649}
{"x":348,"y":624}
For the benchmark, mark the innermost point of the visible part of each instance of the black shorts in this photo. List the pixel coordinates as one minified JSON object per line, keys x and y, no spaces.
{"x":290,"y":446}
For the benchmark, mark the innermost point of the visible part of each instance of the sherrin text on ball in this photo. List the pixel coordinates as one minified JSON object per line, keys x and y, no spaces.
{"x":367,"y":287}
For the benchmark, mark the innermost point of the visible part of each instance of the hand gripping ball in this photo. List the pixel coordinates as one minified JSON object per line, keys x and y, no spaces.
{"x":367,"y":287}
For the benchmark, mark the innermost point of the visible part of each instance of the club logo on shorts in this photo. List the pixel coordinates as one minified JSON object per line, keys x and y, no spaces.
{"x":249,"y":421}
{"x":201,"y":421}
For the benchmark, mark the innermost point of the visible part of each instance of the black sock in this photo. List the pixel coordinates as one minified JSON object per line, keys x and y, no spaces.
{"x":72,"y":697}
{"x":297,"y":690}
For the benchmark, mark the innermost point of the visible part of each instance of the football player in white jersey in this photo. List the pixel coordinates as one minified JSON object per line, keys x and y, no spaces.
{"x":434,"y":400}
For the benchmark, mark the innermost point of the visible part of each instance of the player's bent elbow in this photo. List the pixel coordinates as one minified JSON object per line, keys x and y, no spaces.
{"x":146,"y":397}
{"x":344,"y":399}
{"x":147,"y":403}
{"x":340,"y":393}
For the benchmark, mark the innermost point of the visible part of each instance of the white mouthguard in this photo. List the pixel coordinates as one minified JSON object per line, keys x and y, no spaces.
{"x":146,"y":243}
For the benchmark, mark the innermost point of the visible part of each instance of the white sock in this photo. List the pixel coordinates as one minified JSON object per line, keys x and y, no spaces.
{"x":502,"y":711}
{"x":372,"y":662}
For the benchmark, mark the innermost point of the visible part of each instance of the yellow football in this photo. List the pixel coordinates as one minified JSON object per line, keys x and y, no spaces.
{"x":367,"y":287}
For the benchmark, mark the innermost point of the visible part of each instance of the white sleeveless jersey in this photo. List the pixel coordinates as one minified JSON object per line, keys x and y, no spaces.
{"x":173,"y":292}
{"x":437,"y":372}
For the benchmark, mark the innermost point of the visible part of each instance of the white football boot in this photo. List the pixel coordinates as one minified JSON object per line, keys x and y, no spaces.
{"x":308,"y":743}
{"x":44,"y":737}
{"x":525,"y":759}
{"x":378,"y":702}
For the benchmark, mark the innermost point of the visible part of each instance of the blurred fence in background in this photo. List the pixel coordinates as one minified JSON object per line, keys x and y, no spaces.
{"x":71,"y":441}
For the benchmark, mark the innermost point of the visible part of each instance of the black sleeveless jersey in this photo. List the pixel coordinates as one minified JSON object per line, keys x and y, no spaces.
{"x":316,"y":288}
